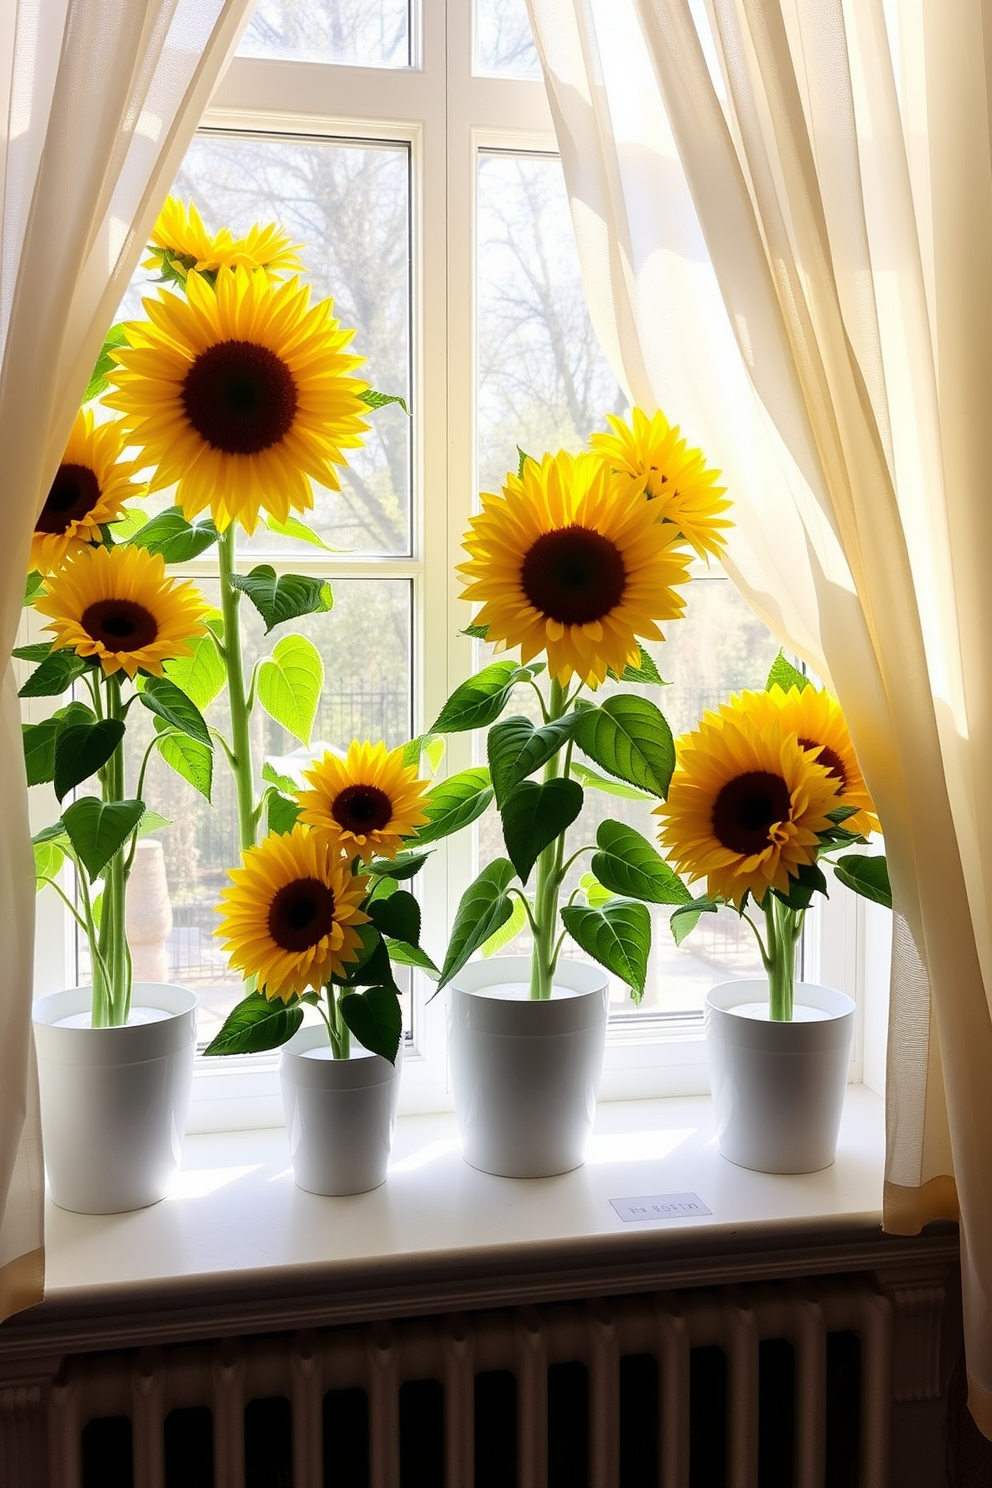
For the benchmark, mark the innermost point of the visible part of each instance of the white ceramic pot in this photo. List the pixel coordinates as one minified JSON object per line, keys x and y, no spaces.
{"x":526,"y":1074}
{"x":340,"y":1113}
{"x":778,"y":1088}
{"x":114,"y":1100}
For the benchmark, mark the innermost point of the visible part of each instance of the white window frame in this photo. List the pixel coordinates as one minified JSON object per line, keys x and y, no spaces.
{"x":445,"y":115}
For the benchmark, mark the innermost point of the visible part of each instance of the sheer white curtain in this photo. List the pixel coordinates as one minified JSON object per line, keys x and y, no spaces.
{"x":98,"y":101}
{"x":784,"y":216}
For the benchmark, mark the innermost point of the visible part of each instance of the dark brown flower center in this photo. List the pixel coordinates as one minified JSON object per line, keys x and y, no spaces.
{"x":239,"y":397}
{"x":121,"y":624}
{"x":75,"y":492}
{"x":747,"y":807}
{"x":362,"y":808}
{"x":574,"y":575}
{"x":831,"y":761}
{"x":301,"y":914}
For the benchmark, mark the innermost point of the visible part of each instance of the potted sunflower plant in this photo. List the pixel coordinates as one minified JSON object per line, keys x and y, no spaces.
{"x":115,"y":1058}
{"x":575,"y":563}
{"x":317,"y":916}
{"x":766,"y":793}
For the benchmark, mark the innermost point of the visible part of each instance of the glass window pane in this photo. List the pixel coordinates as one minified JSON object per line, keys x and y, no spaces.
{"x":544,"y":383}
{"x":504,"y":44}
{"x":348,"y":204}
{"x":363,"y":33}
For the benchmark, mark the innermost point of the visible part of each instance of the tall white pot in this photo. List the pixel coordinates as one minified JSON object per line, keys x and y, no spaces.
{"x":526,"y":1074}
{"x":114,"y":1100}
{"x":340,"y":1113}
{"x":778,"y":1088}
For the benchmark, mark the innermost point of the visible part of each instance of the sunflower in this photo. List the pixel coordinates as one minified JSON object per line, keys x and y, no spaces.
{"x":654,"y":460}
{"x":88,"y":492}
{"x":566,"y":561}
{"x":180,"y":242}
{"x":291,"y":917}
{"x":117,"y":605}
{"x":815,"y":717}
{"x":368,"y":802}
{"x":745,"y":804}
{"x":241,"y":394}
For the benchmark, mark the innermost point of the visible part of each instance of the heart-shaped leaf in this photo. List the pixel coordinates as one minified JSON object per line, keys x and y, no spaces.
{"x":617,"y":935}
{"x":397,"y":916}
{"x":516,"y":748}
{"x":98,"y":829}
{"x":188,"y":757}
{"x":376,"y":1020}
{"x":483,"y":908}
{"x":176,"y":539}
{"x":55,"y":674}
{"x":629,"y":736}
{"x":255,"y":1025}
{"x":508,"y":932}
{"x":533,"y":815}
{"x":628,"y":864}
{"x":37,"y":651}
{"x":289,"y":683}
{"x":282,"y":597}
{"x":374,"y":970}
{"x":48,"y":859}
{"x":39,"y":750}
{"x":592,"y":779}
{"x":783,"y":674}
{"x":83,"y":748}
{"x":479,"y":701}
{"x":202,"y":674}
{"x":169,"y":702}
{"x":405,"y":954}
{"x":454,"y":803}
{"x":404,"y":865}
{"x":281,"y":812}
{"x":868,"y":877}
{"x":685,"y":919}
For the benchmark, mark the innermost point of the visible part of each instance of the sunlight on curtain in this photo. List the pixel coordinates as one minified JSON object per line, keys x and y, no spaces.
{"x":99,"y":101}
{"x":784,"y":213}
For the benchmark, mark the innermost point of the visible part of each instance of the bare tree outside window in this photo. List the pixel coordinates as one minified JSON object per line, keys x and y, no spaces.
{"x":503,"y":42}
{"x":362,"y":33}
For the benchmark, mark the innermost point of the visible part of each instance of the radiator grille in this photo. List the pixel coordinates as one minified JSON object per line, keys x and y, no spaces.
{"x":785,"y":1385}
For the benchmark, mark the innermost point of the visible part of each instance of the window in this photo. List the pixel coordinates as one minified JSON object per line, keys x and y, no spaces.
{"x":412,"y":151}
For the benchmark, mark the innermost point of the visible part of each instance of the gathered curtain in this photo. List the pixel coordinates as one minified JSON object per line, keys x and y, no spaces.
{"x":784,"y":217}
{"x":98,"y":102}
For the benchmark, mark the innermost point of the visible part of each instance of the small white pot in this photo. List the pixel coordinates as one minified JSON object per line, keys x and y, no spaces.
{"x":778,"y":1088}
{"x":526,"y":1074}
{"x":340,"y":1113}
{"x":114,"y":1100}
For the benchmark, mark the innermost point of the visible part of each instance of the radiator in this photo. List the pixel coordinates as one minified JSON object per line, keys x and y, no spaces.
{"x":787,"y":1384}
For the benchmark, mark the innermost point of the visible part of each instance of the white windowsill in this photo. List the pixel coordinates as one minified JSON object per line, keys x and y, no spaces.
{"x":236,"y":1216}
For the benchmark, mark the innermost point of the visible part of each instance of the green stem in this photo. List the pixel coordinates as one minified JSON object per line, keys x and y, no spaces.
{"x":549,"y":879}
{"x":113,"y":937}
{"x":783,"y":929}
{"x":240,"y":752}
{"x":337,"y":1029}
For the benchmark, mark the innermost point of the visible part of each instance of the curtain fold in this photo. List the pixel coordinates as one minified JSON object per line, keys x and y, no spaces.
{"x":784,"y":216}
{"x":99,"y":101}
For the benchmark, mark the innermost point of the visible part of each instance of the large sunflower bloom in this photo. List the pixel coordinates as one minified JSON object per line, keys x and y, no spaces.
{"x":815,"y":717}
{"x":181,"y":243}
{"x":292,"y":913}
{"x":745,"y":804}
{"x":654,"y":460}
{"x":368,"y":802}
{"x":88,"y":492}
{"x":118,"y":606}
{"x":241,"y":394}
{"x":565,"y":561}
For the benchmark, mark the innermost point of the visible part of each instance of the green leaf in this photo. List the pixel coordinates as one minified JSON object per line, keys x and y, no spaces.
{"x":629,"y":737}
{"x":281,"y":812}
{"x":533,"y":815}
{"x":48,"y":860}
{"x":293,"y":527}
{"x":807,"y":881}
{"x":188,"y":757}
{"x":398,"y":917}
{"x":508,"y":932}
{"x":32,"y":584}
{"x":374,"y":970}
{"x":483,"y":908}
{"x":594,"y":891}
{"x":56,"y":673}
{"x":479,"y":701}
{"x":373,"y":399}
{"x":202,"y":674}
{"x":783,"y":674}
{"x":39,"y":750}
{"x":594,"y":781}
{"x":282,"y":597}
{"x":477,"y":632}
{"x":617,"y":935}
{"x":129,"y":524}
{"x":376,"y":1020}
{"x":282,"y":782}
{"x":516,"y":748}
{"x":36,"y":652}
{"x":645,"y":671}
{"x":454,"y":803}
{"x":522,"y":458}
{"x":289,"y":683}
{"x":55,"y":833}
{"x":104,"y":363}
{"x":868,"y":877}
{"x":434,"y":750}
{"x":151,"y":821}
{"x":255,"y":1025}
{"x":164,"y":698}
{"x":405,"y":954}
{"x":404,"y":865}
{"x":686,"y":918}
{"x":176,"y":539}
{"x":98,"y":829}
{"x":628,"y":864}
{"x":83,"y":748}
